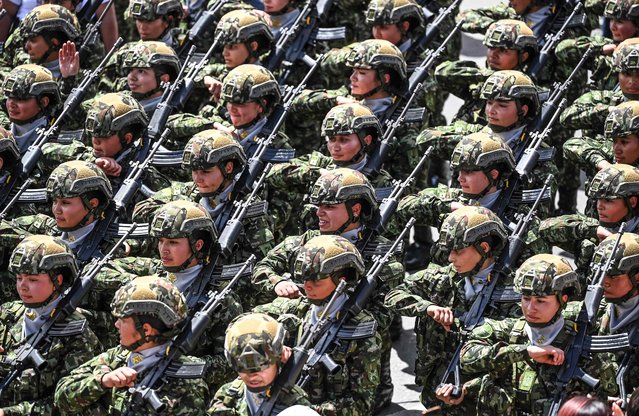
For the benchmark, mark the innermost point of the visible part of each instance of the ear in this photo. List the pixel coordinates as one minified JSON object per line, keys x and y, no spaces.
{"x":44,"y":102}
{"x":128,"y":138}
{"x":357,"y":209}
{"x":199,"y":244}
{"x":228,"y":167}
{"x":59,"y":278}
{"x":564,"y":298}
{"x":494,"y":173}
{"x":165,"y":78}
{"x":524,"y":56}
{"x":253,"y":45}
{"x":147,"y":328}
{"x":386,"y":79}
{"x":368,"y":139}
{"x":405,"y":26}
{"x":524,"y":109}
{"x":94,"y":202}
{"x":485,"y":246}
{"x":633,"y":201}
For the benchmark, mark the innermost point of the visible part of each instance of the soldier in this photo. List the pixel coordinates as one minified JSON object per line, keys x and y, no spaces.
{"x":519,"y":358}
{"x":44,"y":268}
{"x":346,"y":205}
{"x":254,"y":347}
{"x":149,"y":312}
{"x":156,"y":20}
{"x":32,"y":97}
{"x":473,"y":238}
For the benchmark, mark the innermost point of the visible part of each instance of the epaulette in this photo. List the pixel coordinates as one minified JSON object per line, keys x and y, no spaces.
{"x":186,"y":370}
{"x":68,"y":329}
{"x":360,"y":331}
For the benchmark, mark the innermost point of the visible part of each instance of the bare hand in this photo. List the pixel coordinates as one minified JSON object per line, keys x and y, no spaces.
{"x":608,"y":49}
{"x":119,"y":378}
{"x":287,"y":289}
{"x":444,"y":393}
{"x":109,"y":166}
{"x":69,"y":60}
{"x":214,"y":86}
{"x":604,"y":164}
{"x":443,"y":316}
{"x":546,"y":354}
{"x":456,"y":205}
{"x":616,"y":408}
{"x":1,"y":350}
{"x":345,"y":100}
{"x":222,"y":127}
{"x":602,"y":233}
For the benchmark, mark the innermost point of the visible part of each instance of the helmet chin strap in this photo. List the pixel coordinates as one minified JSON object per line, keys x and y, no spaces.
{"x":139,"y":328}
{"x":491,"y":182}
{"x":632,"y":292}
{"x":57,"y":290}
{"x":483,"y":256}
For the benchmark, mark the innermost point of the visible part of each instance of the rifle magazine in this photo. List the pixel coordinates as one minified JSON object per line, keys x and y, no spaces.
{"x":186,"y":370}
{"x":360,"y":331}
{"x":168,"y":158}
{"x":529,"y":196}
{"x":257,"y":209}
{"x":607,"y":343}
{"x":228,"y":272}
{"x":505,"y":294}
{"x":273,"y":155}
{"x":330,"y":33}
{"x":376,"y":248}
{"x":383,"y":193}
{"x":68,"y":329}
{"x":33,"y":196}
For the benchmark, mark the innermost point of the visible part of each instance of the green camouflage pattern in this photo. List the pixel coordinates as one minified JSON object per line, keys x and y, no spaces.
{"x":211,"y":148}
{"x":76,"y":179}
{"x":468,"y":226}
{"x":249,"y":82}
{"x":327,"y":255}
{"x":153,"y":9}
{"x":544,"y":275}
{"x":589,"y":112}
{"x":49,"y":18}
{"x":30,"y":80}
{"x":44,"y":254}
{"x":148,"y":54}
{"x":254,"y":342}
{"x":622,"y":120}
{"x":342,"y":185}
{"x":111,"y":113}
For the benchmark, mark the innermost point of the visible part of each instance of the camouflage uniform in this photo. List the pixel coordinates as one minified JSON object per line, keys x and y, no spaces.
{"x":171,"y":11}
{"x":31,"y":392}
{"x":443,"y":286}
{"x":82,"y":390}
{"x":497,"y":350}
{"x":254,"y":343}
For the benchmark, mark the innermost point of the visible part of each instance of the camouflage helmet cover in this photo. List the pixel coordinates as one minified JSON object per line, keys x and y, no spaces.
{"x":622,"y":120}
{"x":382,"y":56}
{"x":388,"y":12}
{"x":468,"y":226}
{"x":545,"y":275}
{"x":153,"y":9}
{"x":249,"y":82}
{"x":622,"y":10}
{"x":181,"y":219}
{"x":351,"y":118}
{"x":44,"y":254}
{"x":49,"y":18}
{"x":626,"y":56}
{"x":626,"y":259}
{"x":242,"y":26}
{"x":326,"y":256}
{"x":149,"y":54}
{"x":511,"y":34}
{"x":112,"y":112}
{"x":210,"y":148}
{"x":254,"y":342}
{"x":76,"y":179}
{"x":616,"y":181}
{"x":343,"y":185}
{"x":481,"y":151}
{"x":151,"y":296}
{"x":511,"y":85}
{"x":30,"y":80}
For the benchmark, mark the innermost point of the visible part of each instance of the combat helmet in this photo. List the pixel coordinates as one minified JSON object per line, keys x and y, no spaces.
{"x":394,"y":12}
{"x":625,"y":261}
{"x":469,"y":227}
{"x":170,"y":10}
{"x":80,"y":179}
{"x":245,"y":26}
{"x":622,"y":120}
{"x":384,"y":58}
{"x":346,"y":186}
{"x":625,"y":58}
{"x":152,"y":300}
{"x":161,"y":58}
{"x":51,"y":21}
{"x":512,"y":34}
{"x":512,"y":85}
{"x":623,"y":10}
{"x":614,"y":182}
{"x":185,"y":219}
{"x":251,"y":83}
{"x":113,"y":113}
{"x":353,"y":118}
{"x":38,"y":254}
{"x":484,"y":152}
{"x":30,"y":80}
{"x":254,"y":342}
{"x":9,"y":151}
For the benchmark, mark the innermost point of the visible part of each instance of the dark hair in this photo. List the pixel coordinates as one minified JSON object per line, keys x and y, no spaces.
{"x":633,"y":404}
{"x":584,"y":406}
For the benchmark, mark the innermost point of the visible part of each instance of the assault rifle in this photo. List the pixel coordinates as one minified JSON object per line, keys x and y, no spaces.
{"x":505,"y":265}
{"x":132,"y":183}
{"x":402,"y":104}
{"x":145,"y":392}
{"x":29,"y":354}
{"x":432,"y":30}
{"x":320,"y":353}
{"x":91,"y":32}
{"x":586,"y":320}
{"x":205,"y":23}
{"x":15,"y":199}
{"x":29,"y":160}
{"x":293,"y":368}
{"x":383,"y":214}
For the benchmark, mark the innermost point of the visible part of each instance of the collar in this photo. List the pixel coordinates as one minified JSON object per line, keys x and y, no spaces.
{"x":631,"y":226}
{"x":25,"y":134}
{"x":253,"y":400}
{"x":378,"y":105}
{"x":487,"y":200}
{"x":359,"y":165}
{"x":353,"y":235}
{"x":74,"y":238}
{"x":35,"y":317}
{"x":54,"y":67}
{"x":143,"y":360}
{"x":474,"y":285}
{"x":404,"y":47}
{"x":623,"y":314}
{"x":168,"y":38}
{"x":281,"y":21}
{"x":544,"y":335}
{"x":316,"y":310}
{"x":511,"y":137}
{"x":184,"y":280}
{"x":247,"y":136}
{"x":215,"y":205}
{"x":536,"y":20}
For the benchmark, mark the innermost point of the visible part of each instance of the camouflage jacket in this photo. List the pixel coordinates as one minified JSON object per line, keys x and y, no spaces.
{"x":570,"y":51}
{"x":230,"y":400}
{"x":586,"y":153}
{"x":81,"y":391}
{"x":589,"y":111}
{"x":511,"y":382}
{"x":32,"y":392}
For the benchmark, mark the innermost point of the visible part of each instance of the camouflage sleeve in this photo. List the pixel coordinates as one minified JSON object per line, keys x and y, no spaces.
{"x":428,"y":206}
{"x":37,"y":224}
{"x":488,"y":349}
{"x":184,"y":126}
{"x":417,"y":293}
{"x":567,"y":231}
{"x":269,"y":271}
{"x":570,"y":51}
{"x":458,"y":76}
{"x":589,"y":111}
{"x":586,"y":152}
{"x":443,"y":139}
{"x":227,"y":400}
{"x":317,"y":101}
{"x":144,"y":210}
{"x":258,"y":234}
{"x":299,"y":174}
{"x":333,"y":66}
{"x":53,"y":154}
{"x":478,"y":20}
{"x":595,"y":6}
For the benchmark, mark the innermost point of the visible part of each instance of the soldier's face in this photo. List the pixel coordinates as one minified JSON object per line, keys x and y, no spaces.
{"x":344,"y":148}
{"x":275,"y":6}
{"x":319,"y":289}
{"x":501,"y":113}
{"x":142,"y":80}
{"x":243,"y":114}
{"x":626,"y":149}
{"x":106,"y":146}
{"x":629,"y":83}
{"x":34,"y":288}
{"x":472,"y":181}
{"x":539,"y":309}
{"x":617,"y":286}
{"x":126,"y":328}
{"x":332,"y":217}
{"x":174,"y":251}
{"x":208,"y":180}
{"x":22,"y":110}
{"x":36,"y":47}
{"x":391,"y":33}
{"x":611,"y":210}
{"x":520,"y":6}
{"x":502,"y":58}
{"x":235,"y":54}
{"x":151,"y":29}
{"x":363,"y":81}
{"x":464,"y":260}
{"x":68,"y":212}
{"x":259,"y":379}
{"x":622,"y":29}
